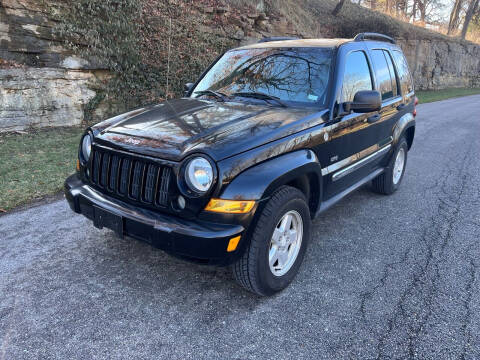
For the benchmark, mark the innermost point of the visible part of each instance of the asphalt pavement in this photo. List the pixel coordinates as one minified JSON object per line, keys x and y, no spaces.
{"x":384,"y":276}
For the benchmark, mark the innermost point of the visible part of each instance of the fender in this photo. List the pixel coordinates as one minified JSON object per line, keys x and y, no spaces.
{"x":260,"y":181}
{"x":405,"y":122}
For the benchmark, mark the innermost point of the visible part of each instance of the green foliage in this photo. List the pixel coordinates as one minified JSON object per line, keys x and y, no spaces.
{"x":89,"y":108}
{"x":106,"y":33}
{"x":151,"y":47}
{"x":177,"y":44}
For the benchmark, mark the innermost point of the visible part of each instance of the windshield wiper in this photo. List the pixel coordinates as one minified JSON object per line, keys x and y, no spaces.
{"x":261,"y":96}
{"x":217,"y":94}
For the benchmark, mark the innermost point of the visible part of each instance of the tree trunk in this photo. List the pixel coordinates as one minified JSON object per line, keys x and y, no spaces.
{"x":453,"y":24}
{"x":422,"y":7}
{"x":338,"y":8}
{"x":413,"y":15}
{"x":472,"y":8}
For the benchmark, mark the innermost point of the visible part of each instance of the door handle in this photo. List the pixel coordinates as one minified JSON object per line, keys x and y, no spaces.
{"x":401,"y":106}
{"x":374,"y":118}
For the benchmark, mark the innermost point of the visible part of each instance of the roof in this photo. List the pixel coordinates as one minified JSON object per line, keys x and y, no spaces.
{"x":297,"y":43}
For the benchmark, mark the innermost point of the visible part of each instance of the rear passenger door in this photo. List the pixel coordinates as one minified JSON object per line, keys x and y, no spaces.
{"x":392,"y":101}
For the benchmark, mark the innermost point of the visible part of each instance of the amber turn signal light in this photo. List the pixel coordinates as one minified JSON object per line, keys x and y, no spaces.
{"x":78,"y":165}
{"x":232,"y":244}
{"x":230,"y":206}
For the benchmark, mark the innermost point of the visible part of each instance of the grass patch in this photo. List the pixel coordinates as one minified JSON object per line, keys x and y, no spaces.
{"x":437,"y":95}
{"x":36,"y":164}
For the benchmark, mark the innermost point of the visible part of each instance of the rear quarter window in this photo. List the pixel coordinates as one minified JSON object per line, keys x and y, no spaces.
{"x":404,"y":76}
{"x":386,"y":80}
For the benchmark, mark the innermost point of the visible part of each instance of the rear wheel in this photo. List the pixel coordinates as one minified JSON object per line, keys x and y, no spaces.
{"x":389,"y":181}
{"x":277,"y":245}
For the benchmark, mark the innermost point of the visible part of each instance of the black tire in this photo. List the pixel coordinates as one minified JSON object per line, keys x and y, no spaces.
{"x":384,"y":183}
{"x":252,"y":271}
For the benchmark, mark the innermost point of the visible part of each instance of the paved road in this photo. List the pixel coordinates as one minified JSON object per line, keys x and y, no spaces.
{"x":385,"y":277}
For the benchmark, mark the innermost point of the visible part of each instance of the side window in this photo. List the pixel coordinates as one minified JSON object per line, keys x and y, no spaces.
{"x":385,"y":83}
{"x":357,"y":75}
{"x":391,"y":68}
{"x":404,"y":76}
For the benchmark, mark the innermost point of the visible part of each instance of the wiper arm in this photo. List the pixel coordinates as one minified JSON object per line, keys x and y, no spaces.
{"x":217,"y":94}
{"x":261,"y":96}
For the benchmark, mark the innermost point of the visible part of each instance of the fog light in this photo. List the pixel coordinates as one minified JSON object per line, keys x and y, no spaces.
{"x":181,"y":202}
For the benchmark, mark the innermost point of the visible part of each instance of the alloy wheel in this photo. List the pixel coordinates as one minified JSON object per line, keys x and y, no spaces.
{"x":285,"y":243}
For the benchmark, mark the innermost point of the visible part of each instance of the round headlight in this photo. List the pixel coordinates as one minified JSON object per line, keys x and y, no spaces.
{"x":86,"y":147}
{"x":199,"y":174}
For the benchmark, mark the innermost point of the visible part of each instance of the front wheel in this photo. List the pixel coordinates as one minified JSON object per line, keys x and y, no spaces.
{"x":277,"y":245}
{"x":389,"y":181}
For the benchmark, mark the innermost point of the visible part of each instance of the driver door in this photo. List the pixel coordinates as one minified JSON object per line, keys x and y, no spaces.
{"x":353,"y":136}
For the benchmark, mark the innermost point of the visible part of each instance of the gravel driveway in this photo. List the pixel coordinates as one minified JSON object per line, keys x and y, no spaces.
{"x":384,"y":277}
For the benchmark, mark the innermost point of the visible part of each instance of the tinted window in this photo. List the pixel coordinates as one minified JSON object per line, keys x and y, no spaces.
{"x":391,"y":68}
{"x":357,"y":75}
{"x":291,"y":74}
{"x":384,"y":79}
{"x":406,"y":82}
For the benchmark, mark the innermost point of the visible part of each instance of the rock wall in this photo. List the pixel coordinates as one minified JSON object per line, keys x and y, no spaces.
{"x":44,"y":84}
{"x":40,"y":97}
{"x":442,"y":64}
{"x":41,"y":82}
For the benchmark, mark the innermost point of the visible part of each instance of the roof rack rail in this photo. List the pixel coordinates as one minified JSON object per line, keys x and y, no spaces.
{"x":276,"y":38}
{"x":372,"y":36}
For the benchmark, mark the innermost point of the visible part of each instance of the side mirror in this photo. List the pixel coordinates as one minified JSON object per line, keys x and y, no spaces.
{"x":187,"y":87}
{"x":364,"y":101}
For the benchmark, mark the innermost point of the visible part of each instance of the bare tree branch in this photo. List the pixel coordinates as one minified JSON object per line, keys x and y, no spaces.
{"x":472,"y":8}
{"x":338,"y":8}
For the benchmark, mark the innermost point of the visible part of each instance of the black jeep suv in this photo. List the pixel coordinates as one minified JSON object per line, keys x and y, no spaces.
{"x":269,"y":137}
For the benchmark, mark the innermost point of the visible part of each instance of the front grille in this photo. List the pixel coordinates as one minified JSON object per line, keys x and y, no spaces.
{"x":131,"y":178}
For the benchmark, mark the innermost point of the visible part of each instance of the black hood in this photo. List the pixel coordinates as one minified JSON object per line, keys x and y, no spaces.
{"x":176,"y":128}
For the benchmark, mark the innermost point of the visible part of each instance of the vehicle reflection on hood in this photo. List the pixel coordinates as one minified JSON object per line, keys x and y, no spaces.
{"x":175,"y":128}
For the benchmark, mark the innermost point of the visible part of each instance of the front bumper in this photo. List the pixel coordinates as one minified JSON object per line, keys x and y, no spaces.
{"x":195,"y":240}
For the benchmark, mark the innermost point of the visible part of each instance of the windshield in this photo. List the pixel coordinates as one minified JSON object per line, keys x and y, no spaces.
{"x":295,"y":75}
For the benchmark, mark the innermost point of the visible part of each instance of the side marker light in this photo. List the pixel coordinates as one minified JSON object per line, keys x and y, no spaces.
{"x":233,"y":243}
